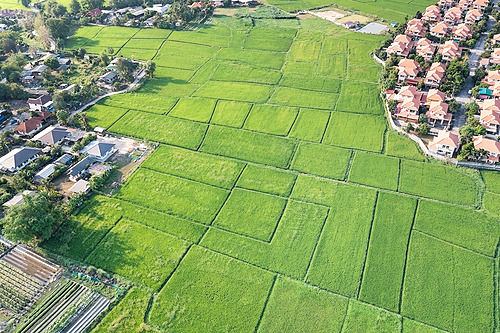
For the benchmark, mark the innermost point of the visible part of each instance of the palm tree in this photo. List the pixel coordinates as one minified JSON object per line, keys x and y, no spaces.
{"x":84,"y":120}
{"x":150,"y":68}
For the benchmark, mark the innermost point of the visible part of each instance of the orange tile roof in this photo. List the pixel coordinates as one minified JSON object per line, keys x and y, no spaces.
{"x":444,"y":137}
{"x":423,"y":42}
{"x":408,"y":63}
{"x":402,"y":39}
{"x":29,"y":125}
{"x":438,"y":108}
{"x":438,"y":66}
{"x":490,"y":117}
{"x":436,"y":95}
{"x":440,"y":28}
{"x":490,"y":104}
{"x":462,"y":30}
{"x":492,"y":146}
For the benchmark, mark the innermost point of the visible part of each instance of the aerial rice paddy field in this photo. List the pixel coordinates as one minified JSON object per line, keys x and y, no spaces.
{"x":278,"y":200}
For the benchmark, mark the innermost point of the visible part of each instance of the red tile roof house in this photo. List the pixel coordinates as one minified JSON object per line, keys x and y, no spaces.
{"x":440,"y":30}
{"x":492,"y":77}
{"x":480,"y":4}
{"x":435,"y":95}
{"x":491,"y":146}
{"x":462,"y":32}
{"x":415,"y":28}
{"x":445,"y":143}
{"x":408,"y":70}
{"x":490,"y":120}
{"x":495,"y":89}
{"x":446,"y":3}
{"x":435,"y":75}
{"x":453,"y":16}
{"x":401,"y":46}
{"x":406,"y":93}
{"x":438,"y":112}
{"x":495,"y":39}
{"x":473,"y":16}
{"x":32,"y":125}
{"x":450,"y":50}
{"x":408,"y":110}
{"x":495,"y":57}
{"x":432,"y":14}
{"x":94,"y":12}
{"x":41,"y":103}
{"x":425,"y":49}
{"x":464,"y":4}
{"x":490,"y":104}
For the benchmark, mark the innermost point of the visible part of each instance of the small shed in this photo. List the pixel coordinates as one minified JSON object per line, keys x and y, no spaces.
{"x":81,"y":186}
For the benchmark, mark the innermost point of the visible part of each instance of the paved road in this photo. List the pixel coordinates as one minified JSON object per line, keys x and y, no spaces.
{"x":463,"y":96}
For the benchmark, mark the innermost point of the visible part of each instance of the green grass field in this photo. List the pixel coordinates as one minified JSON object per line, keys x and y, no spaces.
{"x":277,"y":200}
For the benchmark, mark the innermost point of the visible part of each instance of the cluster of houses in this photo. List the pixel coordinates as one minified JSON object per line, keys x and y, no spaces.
{"x":32,"y":72}
{"x":450,"y":20}
{"x":89,"y":160}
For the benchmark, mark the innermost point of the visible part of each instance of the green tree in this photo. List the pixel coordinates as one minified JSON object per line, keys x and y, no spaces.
{"x":454,"y":106}
{"x":471,"y":109}
{"x":424,"y":128}
{"x":84,"y":120}
{"x":58,"y":28}
{"x":62,"y":117}
{"x":52,"y":63}
{"x":150,"y":68}
{"x":32,"y":221}
{"x":74,"y":6}
{"x":124,"y":69}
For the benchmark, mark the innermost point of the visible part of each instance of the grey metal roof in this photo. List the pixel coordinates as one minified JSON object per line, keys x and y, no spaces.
{"x":52,"y":135}
{"x":81,"y":166}
{"x":63,"y":159}
{"x":100,"y":149}
{"x":18,"y":157}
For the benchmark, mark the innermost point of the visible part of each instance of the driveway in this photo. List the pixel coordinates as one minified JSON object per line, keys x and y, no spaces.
{"x":463,"y":96}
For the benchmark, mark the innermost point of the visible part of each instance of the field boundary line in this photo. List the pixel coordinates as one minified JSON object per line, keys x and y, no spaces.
{"x":120,"y":117}
{"x":290,"y":161}
{"x":285,"y":206}
{"x":326,"y":127}
{"x":265,"y":303}
{"x":348,"y":167}
{"x":293,"y":123}
{"x":496,"y":289}
{"x":313,"y":254}
{"x":399,"y":175}
{"x":102,"y":238}
{"x":345,"y":315}
{"x":128,"y":40}
{"x":452,"y":244}
{"x":375,"y":204}
{"x":403,"y":278}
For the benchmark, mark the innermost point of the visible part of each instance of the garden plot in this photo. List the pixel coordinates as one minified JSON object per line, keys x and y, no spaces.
{"x":209,"y":169}
{"x":266,"y":179}
{"x":448,"y":287}
{"x":295,"y":307}
{"x":356,"y":131}
{"x":180,"y":197}
{"x":290,"y":249}
{"x":120,"y":250}
{"x":159,"y":128}
{"x":214,"y":300}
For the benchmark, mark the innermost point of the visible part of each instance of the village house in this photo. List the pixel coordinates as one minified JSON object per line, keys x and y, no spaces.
{"x":473,"y":16}
{"x":415,"y":28}
{"x":495,"y":39}
{"x":79,"y":169}
{"x":32,"y":125}
{"x":495,"y":89}
{"x":445,"y":4}
{"x":492,"y":77}
{"x":408,"y":110}
{"x":445,"y":143}
{"x":435,"y":95}
{"x":51,"y":135}
{"x":440,"y":30}
{"x":100,"y":151}
{"x":490,"y":104}
{"x":19,"y":158}
{"x":94,"y":12}
{"x":435,"y":75}
{"x":45,"y":173}
{"x":490,"y":120}
{"x":81,"y":186}
{"x":432,"y":14}
{"x":408,"y":71}
{"x":495,"y":57}
{"x":450,"y":50}
{"x":108,"y":78}
{"x":17,"y":199}
{"x":453,"y":16}
{"x":42,"y":103}
{"x":462,"y":32}
{"x":425,"y":49}
{"x":480,"y":4}
{"x":491,"y":146}
{"x":38,"y":70}
{"x":406,"y":93}
{"x":464,"y":4}
{"x":401,"y":46}
{"x":438,"y":112}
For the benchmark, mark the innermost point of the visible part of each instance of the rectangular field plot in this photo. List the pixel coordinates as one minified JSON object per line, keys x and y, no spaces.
{"x":249,"y":146}
{"x":140,"y":253}
{"x":142,"y":102}
{"x":324,"y":84}
{"x":375,"y":170}
{"x":238,"y":91}
{"x":117,"y":32}
{"x":296,"y":307}
{"x":205,"y":72}
{"x":251,"y":213}
{"x":271,"y":119}
{"x":273,"y":60}
{"x":103,"y":115}
{"x":448,"y":287}
{"x":266,"y":179}
{"x":153,"y":33}
{"x":310,"y":125}
{"x":400,"y":146}
{"x":366,"y":318}
{"x":363,"y":73}
{"x":437,"y":182}
{"x":412,"y":326}
{"x":209,"y":169}
{"x":360,"y":97}
{"x":278,"y":44}
{"x":187,"y":50}
{"x":82,"y":36}
{"x":332,"y":65}
{"x":290,"y":249}
{"x":230,"y":113}
{"x":159,"y":128}
{"x":215,"y":299}
{"x":492,"y":180}
{"x":305,"y":51}
{"x":304,"y":98}
{"x":299,"y":67}
{"x":203,"y":38}
{"x":128,"y":315}
{"x":231,"y":71}
{"x":150,"y":44}
{"x":492,"y":203}
{"x":461,"y":226}
{"x":80,"y":234}
{"x":385,"y":261}
{"x":177,"y":196}
{"x":356,"y":131}
{"x":177,"y":61}
{"x":198,"y":109}
{"x":136,"y":54}
{"x":334,"y":45}
{"x":169,"y":86}
{"x":321,"y":160}
{"x":339,"y":259}
{"x":359,"y":52}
